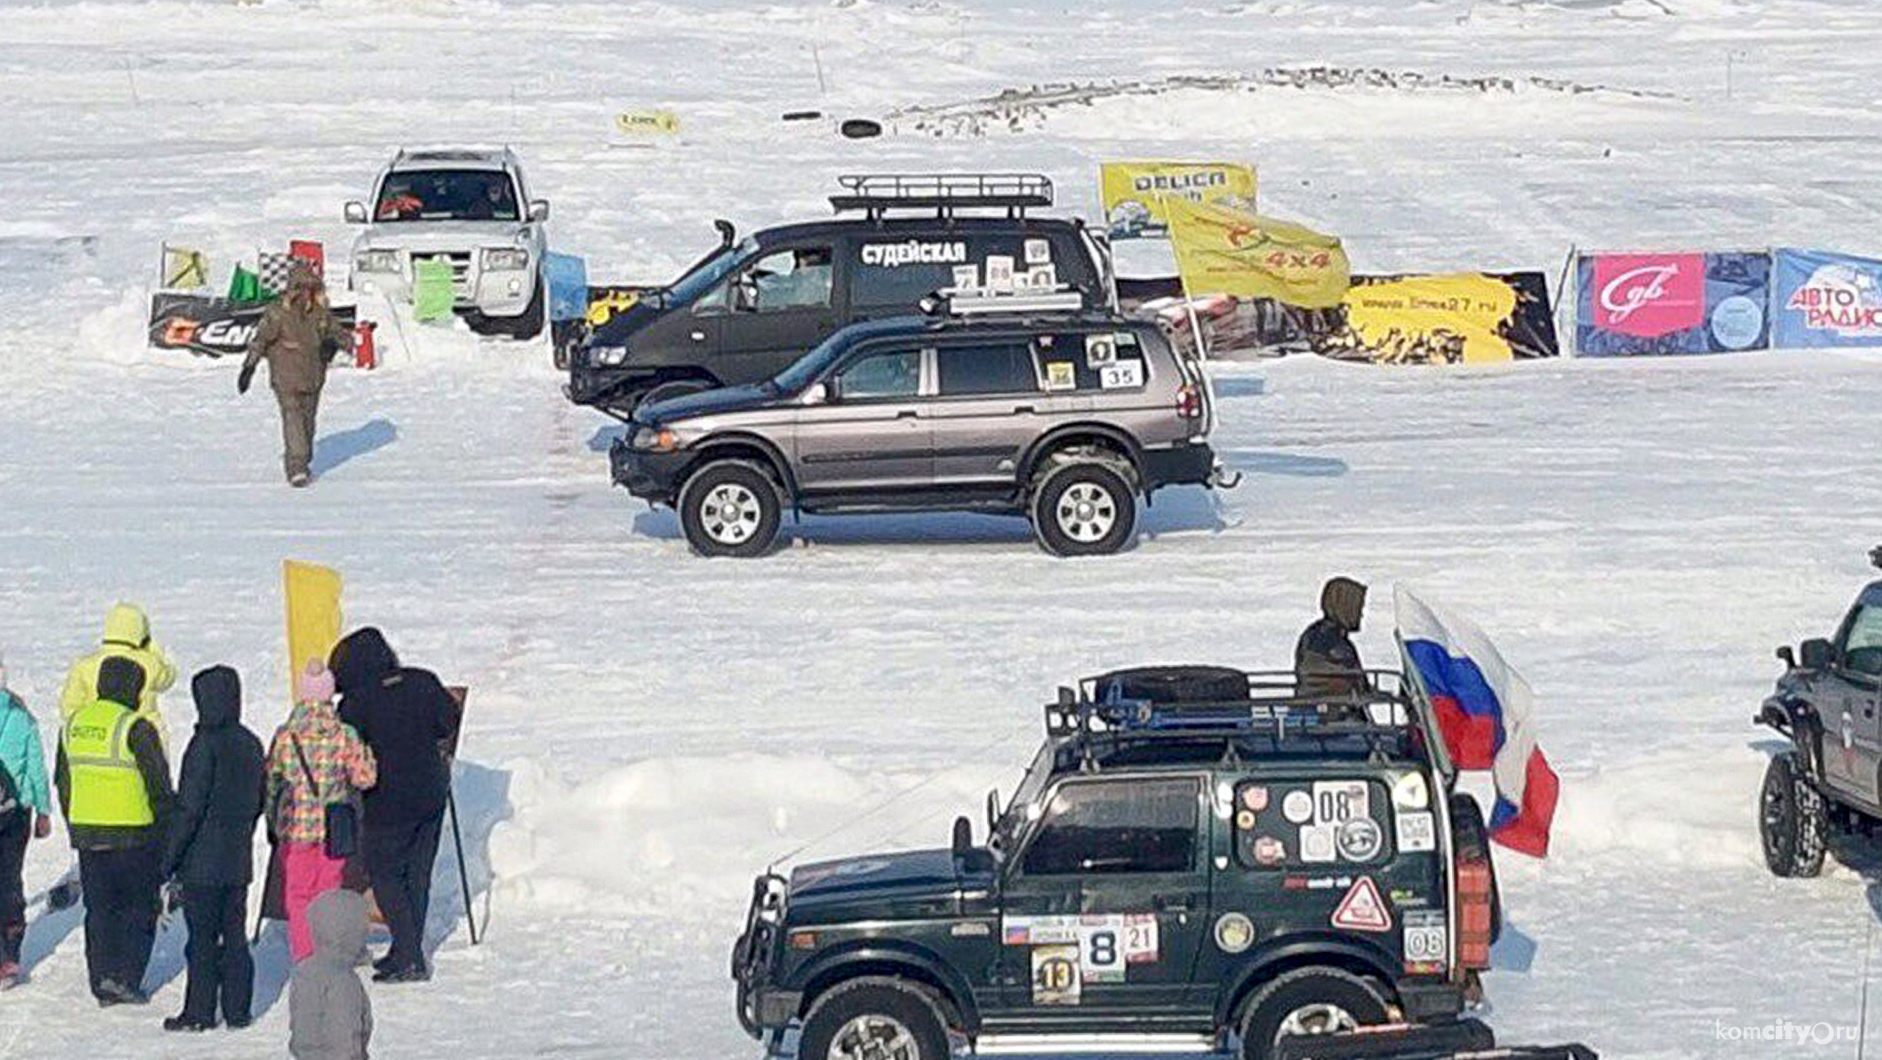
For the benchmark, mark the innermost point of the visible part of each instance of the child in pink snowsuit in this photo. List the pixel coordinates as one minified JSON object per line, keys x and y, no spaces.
{"x":315,"y":760}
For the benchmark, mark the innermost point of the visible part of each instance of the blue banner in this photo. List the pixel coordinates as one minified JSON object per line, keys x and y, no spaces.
{"x":567,"y":276}
{"x":1826,"y":299}
{"x":1634,"y":304}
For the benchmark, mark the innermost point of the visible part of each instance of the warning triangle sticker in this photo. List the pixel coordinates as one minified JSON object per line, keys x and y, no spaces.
{"x":1362,"y":909}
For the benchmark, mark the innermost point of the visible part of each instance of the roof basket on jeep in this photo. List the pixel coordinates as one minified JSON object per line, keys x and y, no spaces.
{"x":874,"y":194}
{"x":974,"y":302}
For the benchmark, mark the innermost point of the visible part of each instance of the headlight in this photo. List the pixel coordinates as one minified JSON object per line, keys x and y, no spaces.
{"x":607,"y":356}
{"x":376,"y":261}
{"x":505,"y":259}
{"x":655,"y":440}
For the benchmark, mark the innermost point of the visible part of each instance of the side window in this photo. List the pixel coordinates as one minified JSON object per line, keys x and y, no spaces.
{"x":1303,"y":824}
{"x":1114,"y":827}
{"x":798,"y":278}
{"x":881,"y":375}
{"x":1862,"y":641}
{"x":1102,"y":360}
{"x":970,"y":370}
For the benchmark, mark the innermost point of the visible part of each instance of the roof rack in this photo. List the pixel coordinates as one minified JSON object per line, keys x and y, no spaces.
{"x":874,"y":194}
{"x":974,"y":302}
{"x":1268,"y":720}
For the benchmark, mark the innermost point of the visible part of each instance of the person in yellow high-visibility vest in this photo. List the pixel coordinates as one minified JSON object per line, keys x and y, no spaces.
{"x":114,"y":788}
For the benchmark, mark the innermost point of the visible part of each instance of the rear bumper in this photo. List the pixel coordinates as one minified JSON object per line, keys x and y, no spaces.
{"x":1181,"y":464}
{"x":1429,"y":1002}
{"x":654,"y":477}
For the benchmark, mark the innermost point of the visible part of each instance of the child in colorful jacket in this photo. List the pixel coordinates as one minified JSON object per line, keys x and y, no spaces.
{"x":315,"y":760}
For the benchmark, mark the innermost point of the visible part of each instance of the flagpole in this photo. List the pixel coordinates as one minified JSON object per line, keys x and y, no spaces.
{"x":1189,"y":306}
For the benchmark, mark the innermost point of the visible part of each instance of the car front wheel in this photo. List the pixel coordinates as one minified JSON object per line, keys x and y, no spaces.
{"x":731,"y":508}
{"x":1791,"y":819}
{"x":1084,"y":508}
{"x":876,"y":1019}
{"x":1308,"y":1001}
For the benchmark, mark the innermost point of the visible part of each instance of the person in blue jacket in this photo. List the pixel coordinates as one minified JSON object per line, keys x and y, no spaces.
{"x":25,"y":812}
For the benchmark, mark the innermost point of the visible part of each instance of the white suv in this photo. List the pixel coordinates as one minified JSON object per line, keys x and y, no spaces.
{"x":469,"y":207}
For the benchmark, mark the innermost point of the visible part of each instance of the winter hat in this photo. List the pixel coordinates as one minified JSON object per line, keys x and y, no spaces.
{"x":314,"y":684}
{"x":121,"y":681}
{"x":1344,"y":601}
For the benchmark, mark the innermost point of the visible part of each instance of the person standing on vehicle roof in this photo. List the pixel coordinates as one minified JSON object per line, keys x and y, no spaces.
{"x":1325,"y":661}
{"x":25,"y":812}
{"x":298,"y":336}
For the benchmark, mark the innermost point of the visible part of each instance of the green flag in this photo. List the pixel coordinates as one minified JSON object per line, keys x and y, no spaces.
{"x":245,"y":286}
{"x":431,"y":289}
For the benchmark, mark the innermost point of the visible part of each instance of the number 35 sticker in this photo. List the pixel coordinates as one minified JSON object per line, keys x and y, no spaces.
{"x":1121,"y":374}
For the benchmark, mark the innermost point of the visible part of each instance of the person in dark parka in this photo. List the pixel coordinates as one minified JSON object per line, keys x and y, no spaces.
{"x":409,"y":722}
{"x":211,"y":852}
{"x":1325,"y":661}
{"x":114,"y":790}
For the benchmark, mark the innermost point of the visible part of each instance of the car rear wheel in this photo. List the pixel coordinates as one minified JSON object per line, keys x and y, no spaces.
{"x":1308,"y":1001}
{"x":1084,"y":508}
{"x":731,"y":508}
{"x":1791,"y":819}
{"x":876,"y":1019}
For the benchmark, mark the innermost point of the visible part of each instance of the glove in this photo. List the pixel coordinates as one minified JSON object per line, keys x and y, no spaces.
{"x":242,"y":381}
{"x":42,"y":827}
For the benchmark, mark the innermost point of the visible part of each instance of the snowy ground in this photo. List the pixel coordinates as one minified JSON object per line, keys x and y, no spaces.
{"x":648,"y":730}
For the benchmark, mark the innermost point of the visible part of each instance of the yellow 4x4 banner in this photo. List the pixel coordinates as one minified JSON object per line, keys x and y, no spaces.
{"x":1222,"y":250}
{"x":1134,"y":192}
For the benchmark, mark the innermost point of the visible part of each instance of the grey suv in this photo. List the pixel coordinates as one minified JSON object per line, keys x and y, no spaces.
{"x":1022,"y":407}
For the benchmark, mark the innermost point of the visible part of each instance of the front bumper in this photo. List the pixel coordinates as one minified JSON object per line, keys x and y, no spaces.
{"x":1180,"y":464}
{"x":505,"y":293}
{"x":651,"y":476}
{"x":618,"y":388}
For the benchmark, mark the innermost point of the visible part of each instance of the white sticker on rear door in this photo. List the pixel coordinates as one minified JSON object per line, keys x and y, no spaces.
{"x":1121,"y":374}
{"x":1317,"y":843}
{"x":1426,"y":941}
{"x":1416,"y":832}
{"x":1339,"y":801}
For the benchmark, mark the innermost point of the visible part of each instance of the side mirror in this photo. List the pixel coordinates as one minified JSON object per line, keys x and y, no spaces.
{"x":816,"y":394}
{"x":1817,"y":654}
{"x":355,"y":213}
{"x":539,"y":209}
{"x":963,"y":837}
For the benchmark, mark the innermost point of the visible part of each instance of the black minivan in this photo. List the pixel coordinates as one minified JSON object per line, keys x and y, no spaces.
{"x":754,"y":305}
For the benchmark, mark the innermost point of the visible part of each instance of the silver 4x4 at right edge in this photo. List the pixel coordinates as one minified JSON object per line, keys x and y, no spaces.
{"x":1025,"y":404}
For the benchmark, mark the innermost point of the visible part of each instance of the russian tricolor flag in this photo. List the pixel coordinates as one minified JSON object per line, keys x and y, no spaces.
{"x":1485,"y":711}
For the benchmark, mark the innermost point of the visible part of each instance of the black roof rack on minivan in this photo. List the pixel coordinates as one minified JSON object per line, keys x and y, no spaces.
{"x":961,"y":302}
{"x":875,"y":194}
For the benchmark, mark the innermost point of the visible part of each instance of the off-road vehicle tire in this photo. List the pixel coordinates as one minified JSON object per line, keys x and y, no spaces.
{"x":1791,"y":819}
{"x":1085,"y":507}
{"x":1176,"y":684}
{"x":898,"y":1014}
{"x":672,"y":389}
{"x":731,"y":508}
{"x":1312,"y":1000}
{"x":529,"y":325}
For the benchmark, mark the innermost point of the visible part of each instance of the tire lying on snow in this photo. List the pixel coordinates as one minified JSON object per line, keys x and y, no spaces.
{"x":731,"y":508}
{"x":1085,"y":507}
{"x":1175,"y":684}
{"x":873,"y":1018}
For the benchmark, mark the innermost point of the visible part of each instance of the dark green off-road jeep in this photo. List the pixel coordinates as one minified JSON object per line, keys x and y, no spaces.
{"x":1198,"y":856}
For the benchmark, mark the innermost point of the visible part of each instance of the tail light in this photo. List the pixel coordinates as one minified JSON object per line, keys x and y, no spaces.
{"x":1189,"y":402}
{"x":1476,"y":910}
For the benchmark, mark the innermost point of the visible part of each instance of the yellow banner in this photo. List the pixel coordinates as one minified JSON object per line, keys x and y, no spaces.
{"x":1220,"y":250}
{"x":312,"y":595}
{"x":1450,"y":318}
{"x":1134,"y":192}
{"x":184,"y":268}
{"x":647,"y":123}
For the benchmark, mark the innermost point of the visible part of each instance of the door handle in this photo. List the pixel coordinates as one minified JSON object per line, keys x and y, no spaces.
{"x":1027,"y":409}
{"x":699,"y":336}
{"x":1167,"y":903}
{"x":906,"y":414}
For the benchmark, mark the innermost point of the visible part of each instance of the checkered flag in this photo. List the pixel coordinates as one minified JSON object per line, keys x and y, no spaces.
{"x":273,"y":269}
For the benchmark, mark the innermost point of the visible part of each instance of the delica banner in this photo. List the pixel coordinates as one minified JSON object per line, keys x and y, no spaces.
{"x":1635,"y":304}
{"x":1134,"y":192}
{"x":210,"y":326}
{"x":1438,"y":318}
{"x":1826,"y":299}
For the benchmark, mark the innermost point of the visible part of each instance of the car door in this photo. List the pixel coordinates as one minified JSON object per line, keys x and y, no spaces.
{"x":1104,"y":907}
{"x":868,"y":434}
{"x":988,"y":407}
{"x":772,"y":310}
{"x":1852,"y":695}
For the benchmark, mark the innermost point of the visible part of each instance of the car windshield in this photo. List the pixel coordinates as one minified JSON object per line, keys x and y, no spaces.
{"x":705,"y":275}
{"x":805,"y":370}
{"x":1014,"y":817}
{"x":447,"y":195}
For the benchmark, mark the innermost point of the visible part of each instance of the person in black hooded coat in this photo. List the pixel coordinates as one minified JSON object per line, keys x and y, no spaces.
{"x":211,"y":852}
{"x":410,"y":722}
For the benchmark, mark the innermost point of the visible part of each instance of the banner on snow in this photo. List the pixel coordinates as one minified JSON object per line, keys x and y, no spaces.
{"x":1826,"y":299}
{"x":567,"y":277}
{"x":1133,"y":192}
{"x":1419,"y":318}
{"x":1634,"y":304}
{"x":209,"y":326}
